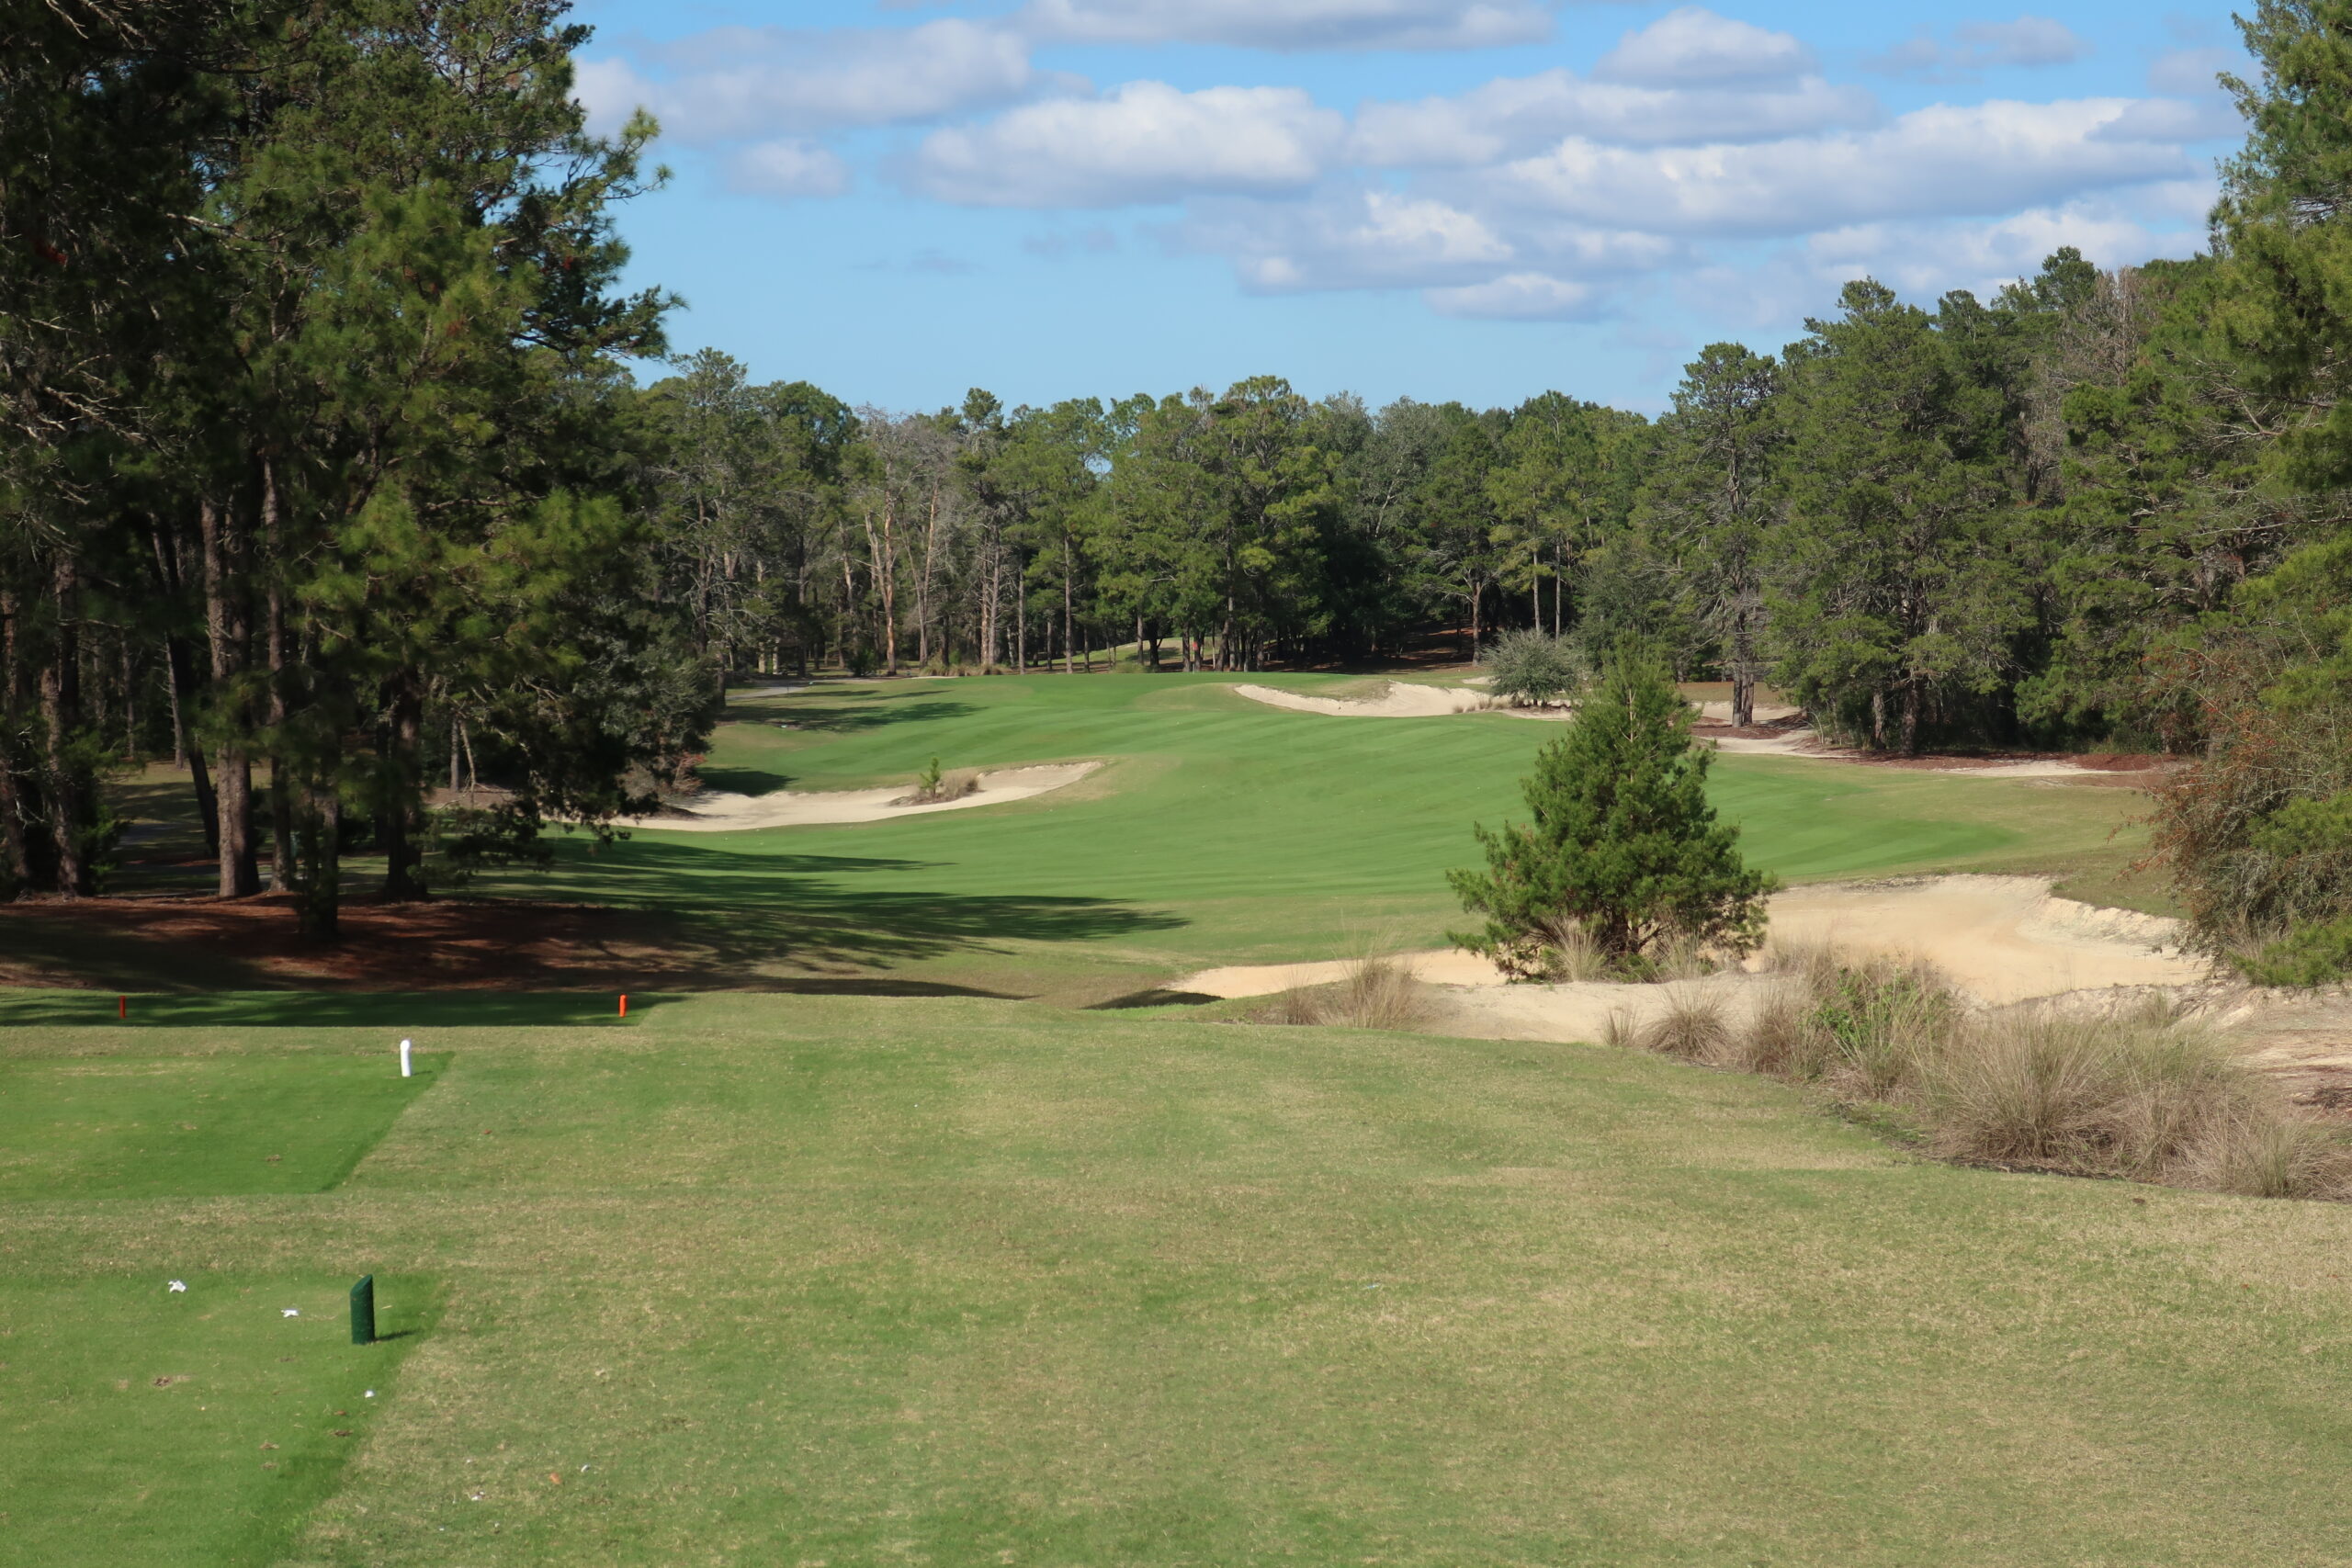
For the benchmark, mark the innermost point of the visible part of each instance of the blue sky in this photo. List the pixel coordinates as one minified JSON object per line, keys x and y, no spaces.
{"x":1478,"y":199}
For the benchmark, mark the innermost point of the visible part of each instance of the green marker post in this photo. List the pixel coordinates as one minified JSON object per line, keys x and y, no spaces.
{"x":363,"y":1310}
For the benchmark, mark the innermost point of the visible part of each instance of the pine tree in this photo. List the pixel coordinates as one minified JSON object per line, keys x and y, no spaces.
{"x":1893,"y":582}
{"x":1624,"y":846}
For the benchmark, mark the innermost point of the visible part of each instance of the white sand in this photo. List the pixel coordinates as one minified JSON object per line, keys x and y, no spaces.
{"x":720,"y":812}
{"x":1401,"y":700}
{"x":1999,"y":938}
{"x":1765,"y":713}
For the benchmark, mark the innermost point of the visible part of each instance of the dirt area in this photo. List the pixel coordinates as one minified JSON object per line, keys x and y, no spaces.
{"x":1790,"y":737}
{"x":210,"y":943}
{"x":2003,"y":940}
{"x":1401,"y":700}
{"x":717,"y":811}
{"x":2000,"y":939}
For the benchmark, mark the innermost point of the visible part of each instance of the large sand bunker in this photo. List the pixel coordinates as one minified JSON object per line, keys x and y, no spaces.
{"x":2000,"y":939}
{"x":720,"y":812}
{"x":1401,"y":700}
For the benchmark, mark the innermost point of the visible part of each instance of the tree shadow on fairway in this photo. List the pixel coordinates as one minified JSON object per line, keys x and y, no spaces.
{"x":845,"y":718}
{"x":749,"y":913}
{"x":743,"y":780}
{"x":390,"y":1010}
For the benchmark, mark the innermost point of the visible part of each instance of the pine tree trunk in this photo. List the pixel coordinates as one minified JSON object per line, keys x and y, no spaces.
{"x":396,"y":812}
{"x":320,"y":841}
{"x":225,"y":623}
{"x":15,"y":860}
{"x":1743,"y":671}
{"x":1069,"y":665}
{"x":61,"y":703}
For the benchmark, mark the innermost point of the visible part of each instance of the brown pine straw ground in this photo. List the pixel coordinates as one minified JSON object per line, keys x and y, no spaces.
{"x":187,"y":942}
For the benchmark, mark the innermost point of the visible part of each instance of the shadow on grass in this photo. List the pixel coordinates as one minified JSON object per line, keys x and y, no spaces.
{"x":1156,"y":997}
{"x":323,"y":1009}
{"x":745,"y":908}
{"x":743,"y":780}
{"x":662,"y":916}
{"x":887,"y":708}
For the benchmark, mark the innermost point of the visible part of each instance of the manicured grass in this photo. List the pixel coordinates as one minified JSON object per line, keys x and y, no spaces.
{"x":140,"y":1426}
{"x":145,"y":1126}
{"x":857,"y":1281}
{"x":1223,"y":830}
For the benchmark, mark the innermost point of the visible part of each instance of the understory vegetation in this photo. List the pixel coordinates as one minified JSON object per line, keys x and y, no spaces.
{"x":2141,"y":1093}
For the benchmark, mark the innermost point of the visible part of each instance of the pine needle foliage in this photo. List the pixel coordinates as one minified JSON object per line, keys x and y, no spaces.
{"x":1623,"y":845}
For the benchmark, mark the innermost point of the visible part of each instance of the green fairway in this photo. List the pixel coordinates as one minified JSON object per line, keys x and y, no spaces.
{"x":1222,"y":830}
{"x":776,"y":1279}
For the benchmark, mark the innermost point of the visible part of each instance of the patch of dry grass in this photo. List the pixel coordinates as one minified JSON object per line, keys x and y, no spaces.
{"x":2144,"y":1095}
{"x":1376,"y":993}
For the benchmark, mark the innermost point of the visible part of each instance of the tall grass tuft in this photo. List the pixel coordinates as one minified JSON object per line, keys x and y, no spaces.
{"x":2144,"y":1095}
{"x":1374,"y":993}
{"x":1692,"y":1026}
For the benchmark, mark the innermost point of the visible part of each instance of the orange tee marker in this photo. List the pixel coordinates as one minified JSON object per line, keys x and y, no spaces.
{"x":624,"y":1004}
{"x":122,"y":1006}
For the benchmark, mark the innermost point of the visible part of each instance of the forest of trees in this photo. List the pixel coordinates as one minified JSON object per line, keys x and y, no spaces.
{"x":329,"y":465}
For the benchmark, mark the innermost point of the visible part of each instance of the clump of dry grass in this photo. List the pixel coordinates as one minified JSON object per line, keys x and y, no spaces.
{"x":2144,"y":1095}
{"x":1571,"y":956}
{"x":1376,"y":993}
{"x":1692,"y":1026}
{"x":936,"y":787}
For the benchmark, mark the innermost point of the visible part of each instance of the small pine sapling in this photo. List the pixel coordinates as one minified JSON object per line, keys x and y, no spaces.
{"x":1624,"y":846}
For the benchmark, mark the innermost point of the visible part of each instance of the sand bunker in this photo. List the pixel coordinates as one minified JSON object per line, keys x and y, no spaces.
{"x":2000,"y":939}
{"x":1401,"y":700}
{"x":720,"y":812}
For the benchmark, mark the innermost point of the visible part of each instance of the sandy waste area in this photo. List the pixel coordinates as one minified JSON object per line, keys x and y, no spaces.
{"x":1405,"y":700}
{"x":1401,"y":700}
{"x":2000,"y":939}
{"x":720,"y":812}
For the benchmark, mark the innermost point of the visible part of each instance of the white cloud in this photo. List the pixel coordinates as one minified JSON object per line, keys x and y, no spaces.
{"x":1941,"y":161}
{"x":1693,"y":48}
{"x":1519,"y":297}
{"x":734,"y":84}
{"x":1346,"y":237}
{"x":1145,"y":142}
{"x":1924,"y":260}
{"x":1515,"y":115}
{"x":2029,"y":41}
{"x":2186,"y":72}
{"x":1977,"y":46}
{"x":1364,"y":237}
{"x":1294,"y":24}
{"x":787,"y":169}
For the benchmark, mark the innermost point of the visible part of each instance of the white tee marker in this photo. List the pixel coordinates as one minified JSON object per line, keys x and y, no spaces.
{"x":405,"y":1070}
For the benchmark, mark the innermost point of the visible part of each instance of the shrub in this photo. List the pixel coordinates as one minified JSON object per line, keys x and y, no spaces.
{"x":1530,"y":667}
{"x":1623,"y":846}
{"x":2308,"y":955}
{"x":934,"y":787}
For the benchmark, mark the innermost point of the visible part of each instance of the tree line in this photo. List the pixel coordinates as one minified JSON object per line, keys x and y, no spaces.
{"x":313,"y":437}
{"x":324,"y":465}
